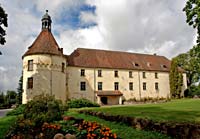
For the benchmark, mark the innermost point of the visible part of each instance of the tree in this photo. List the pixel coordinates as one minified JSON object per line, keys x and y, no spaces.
{"x":20,"y":91}
{"x":189,"y":61}
{"x":3,"y":24}
{"x":192,"y":10}
{"x":11,"y":97}
{"x":176,"y":80}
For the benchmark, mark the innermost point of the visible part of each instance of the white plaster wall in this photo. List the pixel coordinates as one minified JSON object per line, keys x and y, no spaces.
{"x":108,"y":80}
{"x":47,"y":76}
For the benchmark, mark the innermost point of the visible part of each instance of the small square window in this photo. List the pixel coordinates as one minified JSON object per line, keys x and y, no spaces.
{"x":131,"y":86}
{"x":143,"y":74}
{"x":116,"y":86}
{"x":100,"y":85}
{"x":144,"y":86}
{"x":130,"y":74}
{"x":116,"y":73}
{"x":30,"y":65}
{"x":99,"y":73}
{"x":83,"y":86}
{"x":63,"y":67}
{"x":156,"y":75}
{"x":156,"y":86}
{"x":30,"y":83}
{"x":82,"y":72}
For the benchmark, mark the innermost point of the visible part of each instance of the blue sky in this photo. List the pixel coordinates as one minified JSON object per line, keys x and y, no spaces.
{"x":147,"y":26}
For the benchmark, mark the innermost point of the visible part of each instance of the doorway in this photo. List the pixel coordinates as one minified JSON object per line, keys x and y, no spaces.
{"x":104,"y":100}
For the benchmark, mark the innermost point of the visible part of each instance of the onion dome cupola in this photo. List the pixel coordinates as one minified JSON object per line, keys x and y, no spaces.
{"x":46,"y":21}
{"x":45,"y":43}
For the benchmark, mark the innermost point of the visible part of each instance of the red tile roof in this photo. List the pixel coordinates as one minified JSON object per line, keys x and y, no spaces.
{"x":109,"y":93}
{"x":44,"y":44}
{"x":91,"y":58}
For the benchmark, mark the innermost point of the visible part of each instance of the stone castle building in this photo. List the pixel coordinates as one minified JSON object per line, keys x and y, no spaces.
{"x":102,"y":76}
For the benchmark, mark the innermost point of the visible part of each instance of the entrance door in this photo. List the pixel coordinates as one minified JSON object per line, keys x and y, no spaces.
{"x":104,"y":100}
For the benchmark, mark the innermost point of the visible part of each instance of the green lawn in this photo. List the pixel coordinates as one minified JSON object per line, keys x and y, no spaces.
{"x":123,"y":131}
{"x":5,"y":123}
{"x":184,"y":110}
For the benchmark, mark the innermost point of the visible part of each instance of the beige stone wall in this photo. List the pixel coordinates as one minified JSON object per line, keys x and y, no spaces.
{"x":108,"y":80}
{"x":47,"y":77}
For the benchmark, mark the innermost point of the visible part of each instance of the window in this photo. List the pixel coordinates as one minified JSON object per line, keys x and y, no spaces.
{"x":156,"y":86}
{"x":130,"y":74}
{"x":156,"y":75}
{"x":63,"y":67}
{"x":130,"y":86}
{"x":143,"y":74}
{"x":100,"y":84}
{"x":116,"y":73}
{"x":116,"y":86}
{"x":82,"y":72}
{"x":99,"y":73}
{"x":30,"y":65}
{"x":30,"y":83}
{"x":83,"y":86}
{"x":144,"y":86}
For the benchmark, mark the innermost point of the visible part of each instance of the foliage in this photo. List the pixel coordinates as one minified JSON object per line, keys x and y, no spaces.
{"x":189,"y":61}
{"x":122,"y":130}
{"x":31,"y":124}
{"x":3,"y":24}
{"x":192,"y":11}
{"x":192,"y":91}
{"x":79,"y":103}
{"x":5,"y":123}
{"x":8,"y":99}
{"x":43,"y":109}
{"x":19,"y":91}
{"x":176,"y":80}
{"x":17,"y":111}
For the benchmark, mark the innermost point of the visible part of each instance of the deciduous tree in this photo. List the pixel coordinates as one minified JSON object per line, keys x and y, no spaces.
{"x":192,"y":10}
{"x":3,"y":24}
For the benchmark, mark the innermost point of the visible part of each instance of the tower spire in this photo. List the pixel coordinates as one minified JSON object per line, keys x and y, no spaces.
{"x":46,"y":21}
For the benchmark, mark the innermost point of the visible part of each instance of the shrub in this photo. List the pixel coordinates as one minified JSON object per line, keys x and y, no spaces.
{"x":79,"y":103}
{"x":17,"y":111}
{"x":192,"y":91}
{"x":43,"y":109}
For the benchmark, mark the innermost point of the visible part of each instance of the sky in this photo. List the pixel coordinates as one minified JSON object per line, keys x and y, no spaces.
{"x":141,"y":26}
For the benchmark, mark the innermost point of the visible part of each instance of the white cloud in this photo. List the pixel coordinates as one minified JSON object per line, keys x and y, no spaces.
{"x":87,"y":17}
{"x":147,"y":26}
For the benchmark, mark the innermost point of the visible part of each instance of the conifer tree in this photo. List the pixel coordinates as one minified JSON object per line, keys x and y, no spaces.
{"x":176,"y":80}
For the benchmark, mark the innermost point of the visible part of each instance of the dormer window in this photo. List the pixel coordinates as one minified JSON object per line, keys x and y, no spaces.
{"x":148,"y":64}
{"x":135,"y":64}
{"x":164,"y":66}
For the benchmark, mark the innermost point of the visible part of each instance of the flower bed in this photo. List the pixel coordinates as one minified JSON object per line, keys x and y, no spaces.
{"x":67,"y":128}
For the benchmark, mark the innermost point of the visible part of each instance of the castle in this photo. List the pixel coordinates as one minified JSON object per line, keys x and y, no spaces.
{"x":102,"y":76}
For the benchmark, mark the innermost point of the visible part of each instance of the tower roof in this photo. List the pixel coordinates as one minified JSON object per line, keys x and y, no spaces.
{"x":44,"y":44}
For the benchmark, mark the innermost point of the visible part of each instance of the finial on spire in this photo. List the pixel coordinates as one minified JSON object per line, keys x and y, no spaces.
{"x":46,"y":21}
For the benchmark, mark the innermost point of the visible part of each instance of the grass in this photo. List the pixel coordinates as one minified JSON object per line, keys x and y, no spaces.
{"x":184,"y":110}
{"x":5,"y":123}
{"x":123,"y":131}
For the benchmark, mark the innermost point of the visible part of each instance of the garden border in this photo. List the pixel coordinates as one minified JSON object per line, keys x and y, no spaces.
{"x":173,"y":129}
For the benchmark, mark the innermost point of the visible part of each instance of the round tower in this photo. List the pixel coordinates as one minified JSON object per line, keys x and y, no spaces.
{"x":44,"y":66}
